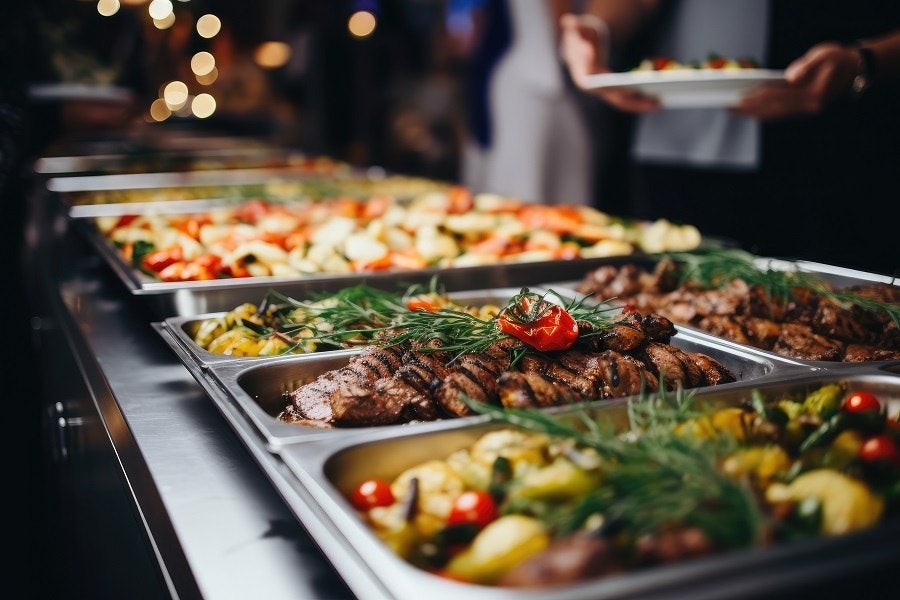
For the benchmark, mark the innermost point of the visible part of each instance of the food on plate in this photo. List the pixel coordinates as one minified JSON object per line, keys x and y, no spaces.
{"x":539,"y":350}
{"x":546,"y":500}
{"x":792,"y":313}
{"x":327,"y":321}
{"x":448,"y":228}
{"x":713,"y":61}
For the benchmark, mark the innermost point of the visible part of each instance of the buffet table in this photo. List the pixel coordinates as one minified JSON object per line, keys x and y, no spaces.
{"x":165,"y":501}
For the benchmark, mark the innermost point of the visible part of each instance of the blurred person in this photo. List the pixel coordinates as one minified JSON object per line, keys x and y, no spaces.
{"x":530,"y":133}
{"x":803,"y":169}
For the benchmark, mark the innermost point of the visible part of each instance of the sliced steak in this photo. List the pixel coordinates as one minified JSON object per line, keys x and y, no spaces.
{"x":800,"y":341}
{"x":517,"y":389}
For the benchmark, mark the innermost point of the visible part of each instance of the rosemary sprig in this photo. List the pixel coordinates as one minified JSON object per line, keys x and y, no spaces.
{"x":461,"y":333}
{"x":715,"y":267}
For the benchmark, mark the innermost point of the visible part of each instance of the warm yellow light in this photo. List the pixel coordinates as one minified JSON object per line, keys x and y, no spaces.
{"x":108,"y":8}
{"x":133,"y":2}
{"x":202,"y":63}
{"x":271,"y":55}
{"x":160,"y":9}
{"x":175,"y":94}
{"x":203,"y":106}
{"x":361,"y":23}
{"x":164,"y":23}
{"x":208,"y":26}
{"x":159,"y":111}
{"x":209,"y":78}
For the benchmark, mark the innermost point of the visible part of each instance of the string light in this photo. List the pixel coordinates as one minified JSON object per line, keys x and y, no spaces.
{"x":209,"y":78}
{"x":159,"y":111}
{"x":361,"y":23}
{"x":202,"y":63}
{"x":203,"y":106}
{"x":175,"y":94}
{"x":271,"y":55}
{"x":165,"y":23}
{"x":108,"y":8}
{"x":208,"y":26}
{"x":160,"y":9}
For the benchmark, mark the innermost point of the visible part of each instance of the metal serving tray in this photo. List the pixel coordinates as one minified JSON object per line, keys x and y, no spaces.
{"x":150,"y":160}
{"x":255,"y":386}
{"x":839,"y":277}
{"x":189,"y":298}
{"x":320,"y":474}
{"x":181,"y":330}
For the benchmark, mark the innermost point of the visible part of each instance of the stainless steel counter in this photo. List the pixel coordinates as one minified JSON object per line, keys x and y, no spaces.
{"x":215,"y":524}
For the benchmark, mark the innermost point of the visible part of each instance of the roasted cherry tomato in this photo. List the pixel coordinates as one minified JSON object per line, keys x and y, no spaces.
{"x":125,"y":221}
{"x":160,"y":259}
{"x":661,"y":62}
{"x":542,"y":325}
{"x":475,"y":506}
{"x":879,"y":448}
{"x":372,"y":493}
{"x":861,"y":402}
{"x":716,"y":62}
{"x":421,"y":304}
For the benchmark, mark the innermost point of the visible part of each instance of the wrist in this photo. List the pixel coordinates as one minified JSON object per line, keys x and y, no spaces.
{"x":865,"y":69}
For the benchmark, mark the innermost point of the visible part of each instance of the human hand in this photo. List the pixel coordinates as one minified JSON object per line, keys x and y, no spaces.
{"x":814,"y":81}
{"x":584,"y":48}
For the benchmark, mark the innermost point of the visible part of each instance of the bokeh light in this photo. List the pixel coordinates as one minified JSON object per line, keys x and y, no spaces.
{"x":271,"y":55}
{"x":203,"y":106}
{"x":202,"y":63}
{"x":160,"y":9}
{"x":209,"y":78}
{"x":165,"y":23}
{"x":108,"y":8}
{"x":175,"y":94}
{"x":208,"y":26}
{"x":159,"y":111}
{"x":361,"y":23}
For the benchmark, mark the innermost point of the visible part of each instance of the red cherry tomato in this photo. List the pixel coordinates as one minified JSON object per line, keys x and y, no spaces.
{"x":160,"y":259}
{"x":475,"y":506}
{"x":372,"y":493}
{"x":421,"y":304}
{"x":661,"y":63}
{"x":861,"y":402}
{"x":539,"y":324}
{"x":879,"y":448}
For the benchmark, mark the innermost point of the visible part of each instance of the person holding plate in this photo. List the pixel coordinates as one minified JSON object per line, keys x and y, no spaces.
{"x":794,"y":168}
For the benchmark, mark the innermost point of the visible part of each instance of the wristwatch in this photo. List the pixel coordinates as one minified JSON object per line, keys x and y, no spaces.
{"x":865,"y":70}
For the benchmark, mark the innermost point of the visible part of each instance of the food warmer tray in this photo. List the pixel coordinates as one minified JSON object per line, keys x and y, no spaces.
{"x":178,"y":160}
{"x":840,"y":277}
{"x":255,"y":385}
{"x":313,"y":478}
{"x":167,"y":299}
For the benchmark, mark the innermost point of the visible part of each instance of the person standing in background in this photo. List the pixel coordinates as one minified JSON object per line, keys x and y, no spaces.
{"x":530,"y":134}
{"x":804,"y":169}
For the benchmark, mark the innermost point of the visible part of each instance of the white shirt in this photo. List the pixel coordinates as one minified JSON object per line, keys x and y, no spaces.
{"x":706,"y":137}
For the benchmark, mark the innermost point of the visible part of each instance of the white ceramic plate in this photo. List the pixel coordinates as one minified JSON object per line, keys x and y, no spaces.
{"x":688,"y":88}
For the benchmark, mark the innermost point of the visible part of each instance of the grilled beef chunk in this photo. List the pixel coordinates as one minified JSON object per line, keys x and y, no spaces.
{"x":749,"y":315}
{"x":714,"y":372}
{"x":532,"y":390}
{"x":800,"y":341}
{"x":667,"y":366}
{"x":863,"y":353}
{"x":473,"y":375}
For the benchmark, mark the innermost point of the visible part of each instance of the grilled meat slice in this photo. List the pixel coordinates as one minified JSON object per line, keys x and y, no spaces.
{"x":586,"y":384}
{"x":863,"y":353}
{"x":624,"y":336}
{"x":474,"y":376}
{"x":665,"y":364}
{"x":725,"y":326}
{"x":658,"y":328}
{"x":714,"y":372}
{"x":614,"y":374}
{"x":610,"y":281}
{"x":833,"y":321}
{"x":760,"y":332}
{"x":800,"y":341}
{"x":517,"y":389}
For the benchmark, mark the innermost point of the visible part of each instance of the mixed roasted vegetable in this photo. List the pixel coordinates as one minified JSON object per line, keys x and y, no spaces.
{"x":351,"y":317}
{"x":448,"y":227}
{"x":554,"y":499}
